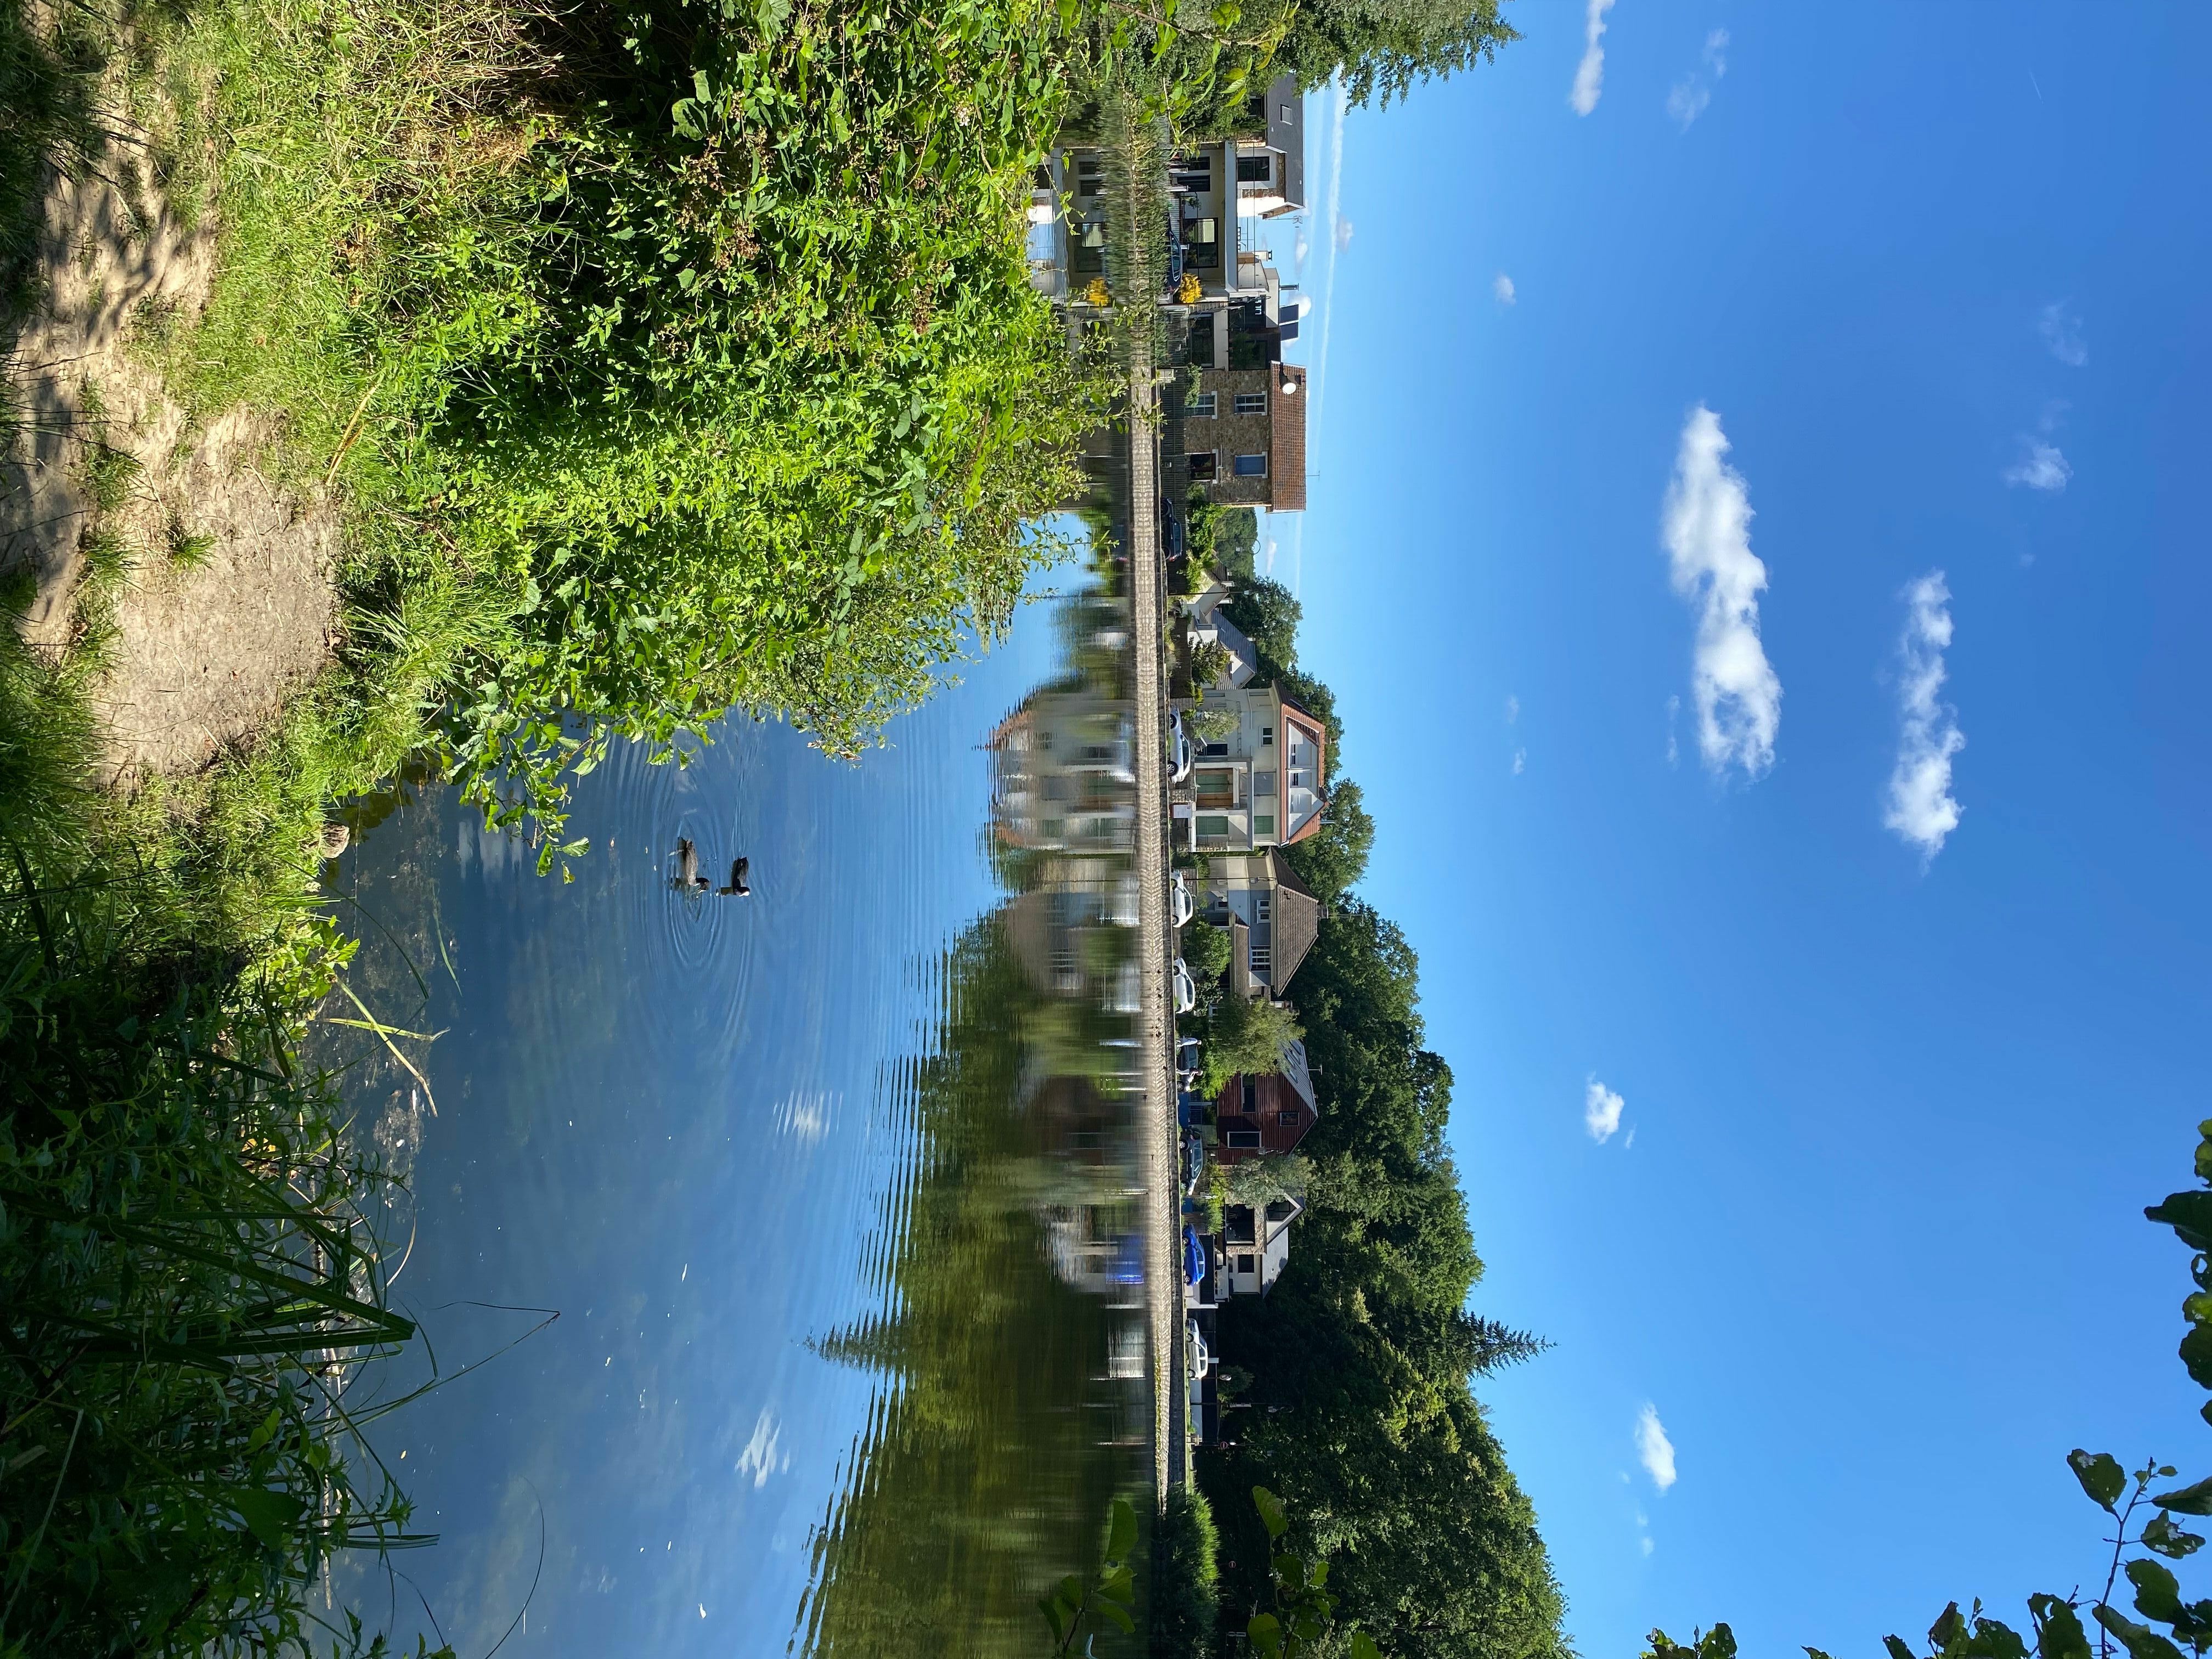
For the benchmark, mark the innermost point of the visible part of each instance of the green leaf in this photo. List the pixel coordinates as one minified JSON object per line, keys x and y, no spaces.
{"x":1950,"y":1624}
{"x":2190,"y":1215}
{"x":1363,"y":1646}
{"x":1271,"y":1511}
{"x":2196,"y":1353}
{"x":1049,"y":1606}
{"x":2140,"y":1642}
{"x":2059,"y":1632}
{"x":267,"y":1432}
{"x":2168,"y":1539}
{"x":2158,"y":1592}
{"x":1119,"y":1585}
{"x":1896,"y":1648}
{"x":1117,"y":1615}
{"x":1719,"y":1642}
{"x":1120,"y":1531}
{"x":1265,"y":1633}
{"x":1993,"y":1639}
{"x":2100,"y":1476}
{"x":1290,"y":1571}
{"x":2186,"y":1500}
{"x":1815,"y":1653}
{"x":269,"y":1516}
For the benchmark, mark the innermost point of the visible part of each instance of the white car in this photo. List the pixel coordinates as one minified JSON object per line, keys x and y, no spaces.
{"x":1186,"y":987}
{"x":1201,"y":1356}
{"x":1181,"y":755}
{"x":1180,"y":906}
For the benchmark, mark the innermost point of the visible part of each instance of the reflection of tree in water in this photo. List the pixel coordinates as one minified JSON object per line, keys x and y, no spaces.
{"x":983,"y":1474}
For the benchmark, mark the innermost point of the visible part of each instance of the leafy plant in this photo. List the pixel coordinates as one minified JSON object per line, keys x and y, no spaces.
{"x":1303,"y":1620}
{"x":1106,"y":1594}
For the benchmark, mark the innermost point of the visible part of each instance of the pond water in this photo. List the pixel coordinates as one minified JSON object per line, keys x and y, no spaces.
{"x":829,"y":1189}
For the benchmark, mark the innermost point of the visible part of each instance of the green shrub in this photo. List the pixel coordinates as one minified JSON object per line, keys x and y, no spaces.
{"x":1185,"y":1592}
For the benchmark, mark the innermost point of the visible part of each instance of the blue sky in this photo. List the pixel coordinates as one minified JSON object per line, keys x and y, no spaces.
{"x":1866,"y":1239}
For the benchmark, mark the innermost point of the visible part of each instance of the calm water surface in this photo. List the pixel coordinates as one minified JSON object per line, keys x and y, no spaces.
{"x":825,"y":1188}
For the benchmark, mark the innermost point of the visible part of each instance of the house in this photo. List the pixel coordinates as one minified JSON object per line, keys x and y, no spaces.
{"x":1260,"y":777}
{"x":1255,"y":1247}
{"x":1254,"y":1115}
{"x":1244,"y":436}
{"x":1272,"y":918}
{"x":1210,"y":625}
{"x":1220,"y":190}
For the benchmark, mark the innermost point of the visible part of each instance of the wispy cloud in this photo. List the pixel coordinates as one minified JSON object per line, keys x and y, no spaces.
{"x":1707,"y":525}
{"x":2041,"y":465}
{"x":762,"y":1455}
{"x":1921,"y":809}
{"x":1673,"y":714}
{"x":804,"y":1114}
{"x":2062,"y":331}
{"x":1601,"y":1110}
{"x":1590,"y":74}
{"x":1501,"y":286}
{"x":1520,"y":761}
{"x":1688,"y":99}
{"x":1653,"y":1448}
{"x":1512,"y":708}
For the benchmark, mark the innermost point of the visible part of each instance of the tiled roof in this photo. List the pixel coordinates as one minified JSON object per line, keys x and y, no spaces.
{"x":1287,"y":408}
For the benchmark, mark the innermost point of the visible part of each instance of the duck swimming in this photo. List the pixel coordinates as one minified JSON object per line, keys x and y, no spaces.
{"x":737,"y":889}
{"x":687,"y":879}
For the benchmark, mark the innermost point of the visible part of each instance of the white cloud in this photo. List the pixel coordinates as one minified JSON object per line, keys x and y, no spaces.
{"x":1590,"y":74}
{"x":2062,"y":331}
{"x":1601,"y":1110}
{"x":1653,"y":1448}
{"x":1686,"y":101}
{"x":1673,"y":712}
{"x":1921,"y":809}
{"x":1707,"y":529}
{"x":2040,"y":466}
{"x":1501,"y":286}
{"x":1512,"y":708}
{"x":760,"y":1457}
{"x":1520,"y":761}
{"x":1343,"y":232}
{"x":805,"y":1114}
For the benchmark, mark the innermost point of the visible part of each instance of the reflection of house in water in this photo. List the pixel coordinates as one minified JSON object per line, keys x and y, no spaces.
{"x":1255,"y":1246}
{"x":1269,"y":1113}
{"x":1063,"y":774}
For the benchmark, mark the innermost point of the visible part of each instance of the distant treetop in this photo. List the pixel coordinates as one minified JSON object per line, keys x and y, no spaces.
{"x":1384,"y":46}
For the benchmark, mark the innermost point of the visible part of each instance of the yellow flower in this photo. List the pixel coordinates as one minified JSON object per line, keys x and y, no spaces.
{"x":1096,"y":294}
{"x":1188,"y":290}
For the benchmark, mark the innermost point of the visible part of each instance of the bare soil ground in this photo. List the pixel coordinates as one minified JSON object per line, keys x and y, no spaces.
{"x":204,"y":654}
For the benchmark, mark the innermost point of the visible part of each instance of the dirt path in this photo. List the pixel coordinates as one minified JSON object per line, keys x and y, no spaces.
{"x":103,"y":471}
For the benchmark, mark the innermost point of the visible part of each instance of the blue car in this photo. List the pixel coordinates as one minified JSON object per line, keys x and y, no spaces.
{"x":1194,"y":1257}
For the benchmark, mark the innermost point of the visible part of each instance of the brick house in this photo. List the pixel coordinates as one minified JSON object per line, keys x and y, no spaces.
{"x":1244,"y":436}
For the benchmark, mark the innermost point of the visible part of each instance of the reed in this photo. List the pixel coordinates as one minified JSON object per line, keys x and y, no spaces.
{"x":194,"y":1285}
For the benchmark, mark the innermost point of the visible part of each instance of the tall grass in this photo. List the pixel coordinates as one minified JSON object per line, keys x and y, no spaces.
{"x":192,"y":1287}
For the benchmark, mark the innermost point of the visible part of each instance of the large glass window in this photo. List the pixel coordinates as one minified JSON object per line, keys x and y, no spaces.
{"x":1255,"y":169}
{"x":1205,"y":466}
{"x":1200,"y":406}
{"x":1251,"y":466}
{"x":1251,"y":402}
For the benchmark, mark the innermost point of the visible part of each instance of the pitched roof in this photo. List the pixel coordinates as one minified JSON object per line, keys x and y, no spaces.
{"x":1297,"y":920}
{"x":1286,"y":409}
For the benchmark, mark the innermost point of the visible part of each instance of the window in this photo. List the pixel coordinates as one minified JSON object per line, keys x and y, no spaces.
{"x":1251,"y":466}
{"x":1263,"y":784}
{"x":1243,"y":1140}
{"x":1213,"y":827}
{"x":1089,"y":250}
{"x":1263,"y":961}
{"x":1200,"y":407}
{"x":1213,"y":752}
{"x":1244,"y":1265}
{"x":1288,"y":1118}
{"x":1263,"y":826}
{"x":1251,"y":402}
{"x":1251,"y":1094}
{"x":1289,"y":113}
{"x":1255,"y":169}
{"x":1193,"y":173}
{"x":1266,"y":735}
{"x":1205,"y":467}
{"x":1090,"y":177}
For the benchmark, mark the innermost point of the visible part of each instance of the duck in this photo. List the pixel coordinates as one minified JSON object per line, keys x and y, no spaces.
{"x":737,"y":889}
{"x":687,"y":879}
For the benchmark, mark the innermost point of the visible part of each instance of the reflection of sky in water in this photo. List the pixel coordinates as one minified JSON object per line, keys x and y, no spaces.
{"x":673,"y":1120}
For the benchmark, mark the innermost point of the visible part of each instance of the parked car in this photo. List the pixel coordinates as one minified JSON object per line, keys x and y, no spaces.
{"x":1194,"y":1164}
{"x":1188,"y":1053}
{"x":1180,"y":906}
{"x":1181,"y":757}
{"x":1171,"y":533}
{"x":1201,"y":1356}
{"x":1186,"y":987}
